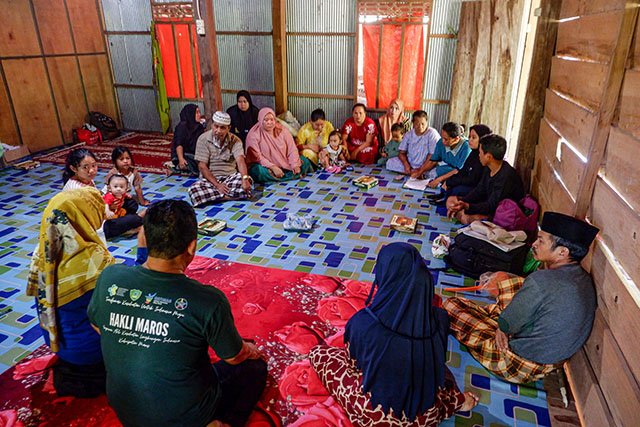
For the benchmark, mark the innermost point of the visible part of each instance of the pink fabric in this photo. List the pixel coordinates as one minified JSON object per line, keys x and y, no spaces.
{"x":324,"y":414}
{"x":9,"y":418}
{"x":299,"y":337}
{"x":272,"y":148}
{"x":34,"y":366}
{"x":301,"y":386}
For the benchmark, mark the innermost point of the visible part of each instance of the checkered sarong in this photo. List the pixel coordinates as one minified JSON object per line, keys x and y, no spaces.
{"x":202,"y":191}
{"x":475,"y":326}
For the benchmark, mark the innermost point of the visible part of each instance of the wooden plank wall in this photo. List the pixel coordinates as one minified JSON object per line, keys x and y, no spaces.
{"x":485,"y":55}
{"x":53,"y":70}
{"x":592,"y":123}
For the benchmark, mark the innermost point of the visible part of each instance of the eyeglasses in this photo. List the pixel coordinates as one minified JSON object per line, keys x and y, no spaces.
{"x":88,"y":167}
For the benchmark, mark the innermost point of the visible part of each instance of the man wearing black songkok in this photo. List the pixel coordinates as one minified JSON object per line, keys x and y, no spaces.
{"x":538,"y":322}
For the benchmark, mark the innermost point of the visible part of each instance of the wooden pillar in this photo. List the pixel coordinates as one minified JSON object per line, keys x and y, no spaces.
{"x":544,"y":44}
{"x":278,"y":14}
{"x":607,"y":108}
{"x":208,"y":53}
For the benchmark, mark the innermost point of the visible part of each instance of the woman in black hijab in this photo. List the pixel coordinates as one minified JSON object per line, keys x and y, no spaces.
{"x":243,"y":115}
{"x":185,"y":138}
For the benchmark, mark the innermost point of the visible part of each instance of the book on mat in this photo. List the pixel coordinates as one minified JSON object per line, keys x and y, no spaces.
{"x":211,"y":226}
{"x":27,"y":164}
{"x":365,"y":182}
{"x":416,"y":184}
{"x":404,"y":224}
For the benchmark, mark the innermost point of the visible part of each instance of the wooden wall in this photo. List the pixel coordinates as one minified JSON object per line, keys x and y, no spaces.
{"x":587,"y":165}
{"x":484,"y":71}
{"x":53,"y":70}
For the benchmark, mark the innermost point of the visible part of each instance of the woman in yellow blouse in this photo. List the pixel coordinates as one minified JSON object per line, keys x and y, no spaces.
{"x":313,"y":136}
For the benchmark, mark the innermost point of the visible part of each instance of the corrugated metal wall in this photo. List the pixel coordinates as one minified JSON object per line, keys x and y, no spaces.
{"x":246,"y":60}
{"x":445,"y":18}
{"x":131,"y":61}
{"x":316,"y":64}
{"x":321,"y":64}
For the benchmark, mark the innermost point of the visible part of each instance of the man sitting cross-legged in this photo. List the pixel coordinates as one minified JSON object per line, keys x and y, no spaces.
{"x":499,"y":181}
{"x":223,"y":170}
{"x":537,"y":322}
{"x":156,"y":326}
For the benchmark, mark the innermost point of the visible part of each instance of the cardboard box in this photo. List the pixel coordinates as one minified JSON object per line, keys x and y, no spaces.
{"x":403,"y":224}
{"x":12,"y":156}
{"x":365,"y":182}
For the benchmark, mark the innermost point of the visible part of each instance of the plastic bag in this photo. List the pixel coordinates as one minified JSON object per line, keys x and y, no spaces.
{"x":295,"y":222}
{"x":440,"y":246}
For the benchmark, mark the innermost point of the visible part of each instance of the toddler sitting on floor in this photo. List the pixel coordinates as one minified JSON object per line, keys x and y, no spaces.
{"x":391,"y":148}
{"x":332,"y":156}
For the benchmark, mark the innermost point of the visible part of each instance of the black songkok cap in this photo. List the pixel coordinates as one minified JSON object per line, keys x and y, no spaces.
{"x":569,"y":228}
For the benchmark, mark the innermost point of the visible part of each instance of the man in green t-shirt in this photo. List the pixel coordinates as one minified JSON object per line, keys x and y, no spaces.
{"x":156,"y":326}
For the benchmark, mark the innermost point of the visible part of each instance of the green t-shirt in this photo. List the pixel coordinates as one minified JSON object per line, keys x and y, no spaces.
{"x":156,"y":329}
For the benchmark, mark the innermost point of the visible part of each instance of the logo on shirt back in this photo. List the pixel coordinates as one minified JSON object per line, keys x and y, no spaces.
{"x":181,"y":304}
{"x":134,"y":294}
{"x":113,"y":289}
{"x":149,"y":297}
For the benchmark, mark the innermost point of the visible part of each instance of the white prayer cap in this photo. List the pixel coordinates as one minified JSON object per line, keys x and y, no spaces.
{"x":222,"y":118}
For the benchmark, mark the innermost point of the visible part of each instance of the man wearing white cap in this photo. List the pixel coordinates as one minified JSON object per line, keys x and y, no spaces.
{"x":223,"y":170}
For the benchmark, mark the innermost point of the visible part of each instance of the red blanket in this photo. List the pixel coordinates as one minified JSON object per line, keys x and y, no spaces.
{"x":285,"y":312}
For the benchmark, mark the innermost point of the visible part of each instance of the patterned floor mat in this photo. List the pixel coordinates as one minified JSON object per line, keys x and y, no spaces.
{"x":352,"y":226}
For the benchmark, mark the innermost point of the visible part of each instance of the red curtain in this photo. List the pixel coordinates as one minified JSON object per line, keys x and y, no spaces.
{"x":412,"y":64}
{"x":170,"y":62}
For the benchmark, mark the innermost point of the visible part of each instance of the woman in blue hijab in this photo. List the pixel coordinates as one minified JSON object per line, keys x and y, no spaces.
{"x":393,"y":369}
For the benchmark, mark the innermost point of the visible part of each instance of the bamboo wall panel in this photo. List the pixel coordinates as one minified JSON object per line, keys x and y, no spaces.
{"x":621,"y":165}
{"x":32,"y":102}
{"x":590,"y":37}
{"x":580,"y":80}
{"x":618,"y":386}
{"x":97,"y":84}
{"x":571,"y":8}
{"x":67,"y":90}
{"x":575,"y":123}
{"x":55,"y":33}
{"x":18,"y":35}
{"x":85,"y":21}
{"x":8,"y":132}
{"x":619,"y":227}
{"x":617,"y":306}
{"x":593,"y":409}
{"x":486,"y":53}
{"x":629,"y":110}
{"x":569,"y":166}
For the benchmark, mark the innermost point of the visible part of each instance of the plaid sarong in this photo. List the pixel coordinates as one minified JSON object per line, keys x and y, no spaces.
{"x":475,"y":326}
{"x":202,"y":191}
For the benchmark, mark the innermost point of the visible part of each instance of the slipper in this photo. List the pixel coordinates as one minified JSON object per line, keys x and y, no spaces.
{"x":399,"y":178}
{"x":434,"y":196}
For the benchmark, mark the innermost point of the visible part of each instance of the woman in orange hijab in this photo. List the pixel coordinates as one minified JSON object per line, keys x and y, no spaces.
{"x":395,"y":114}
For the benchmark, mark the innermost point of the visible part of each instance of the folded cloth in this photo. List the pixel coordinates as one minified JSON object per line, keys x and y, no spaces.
{"x":498,"y":234}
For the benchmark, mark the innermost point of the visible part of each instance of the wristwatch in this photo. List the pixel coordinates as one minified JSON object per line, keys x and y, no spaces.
{"x":246,"y":177}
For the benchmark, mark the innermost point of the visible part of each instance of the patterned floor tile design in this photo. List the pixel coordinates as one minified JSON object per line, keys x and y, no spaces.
{"x":352,"y":225}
